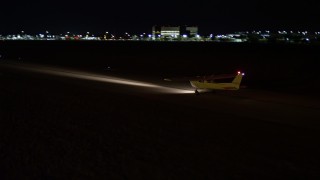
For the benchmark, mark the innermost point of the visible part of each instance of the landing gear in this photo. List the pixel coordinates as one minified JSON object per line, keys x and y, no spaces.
{"x":196,"y":92}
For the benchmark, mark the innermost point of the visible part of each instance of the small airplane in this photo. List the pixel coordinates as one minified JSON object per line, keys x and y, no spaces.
{"x":208,"y":83}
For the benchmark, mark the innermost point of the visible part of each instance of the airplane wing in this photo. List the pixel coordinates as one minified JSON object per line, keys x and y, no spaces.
{"x":203,"y":78}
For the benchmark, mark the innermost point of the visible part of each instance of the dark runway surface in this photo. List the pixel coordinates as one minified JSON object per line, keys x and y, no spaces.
{"x":63,"y":123}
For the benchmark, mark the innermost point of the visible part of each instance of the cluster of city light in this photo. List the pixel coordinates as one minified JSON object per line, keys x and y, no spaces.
{"x":175,"y":35}
{"x":268,"y":36}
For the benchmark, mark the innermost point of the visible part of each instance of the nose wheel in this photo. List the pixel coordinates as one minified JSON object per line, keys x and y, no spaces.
{"x":196,"y":92}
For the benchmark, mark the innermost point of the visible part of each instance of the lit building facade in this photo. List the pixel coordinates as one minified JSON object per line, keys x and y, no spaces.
{"x":166,"y":31}
{"x":192,"y":31}
{"x":173,"y":31}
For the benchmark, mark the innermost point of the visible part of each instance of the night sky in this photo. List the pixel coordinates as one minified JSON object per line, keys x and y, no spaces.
{"x":215,"y":16}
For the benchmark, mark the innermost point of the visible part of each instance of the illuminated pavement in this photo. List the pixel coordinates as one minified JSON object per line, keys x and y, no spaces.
{"x":148,"y":87}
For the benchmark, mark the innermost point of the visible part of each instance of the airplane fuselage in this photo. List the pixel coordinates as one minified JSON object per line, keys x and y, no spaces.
{"x":217,"y":86}
{"x":205,"y":84}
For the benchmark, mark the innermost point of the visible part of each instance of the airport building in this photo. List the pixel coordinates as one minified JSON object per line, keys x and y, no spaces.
{"x":165,"y":31}
{"x":174,"y":31}
{"x":189,"y":31}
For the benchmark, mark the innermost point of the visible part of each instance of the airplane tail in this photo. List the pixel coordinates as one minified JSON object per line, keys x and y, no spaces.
{"x":237,"y":79}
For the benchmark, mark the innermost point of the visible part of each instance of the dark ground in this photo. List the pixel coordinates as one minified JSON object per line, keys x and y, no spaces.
{"x":54,"y":127}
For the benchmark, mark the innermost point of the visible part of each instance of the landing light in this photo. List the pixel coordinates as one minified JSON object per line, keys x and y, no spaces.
{"x":153,"y":88}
